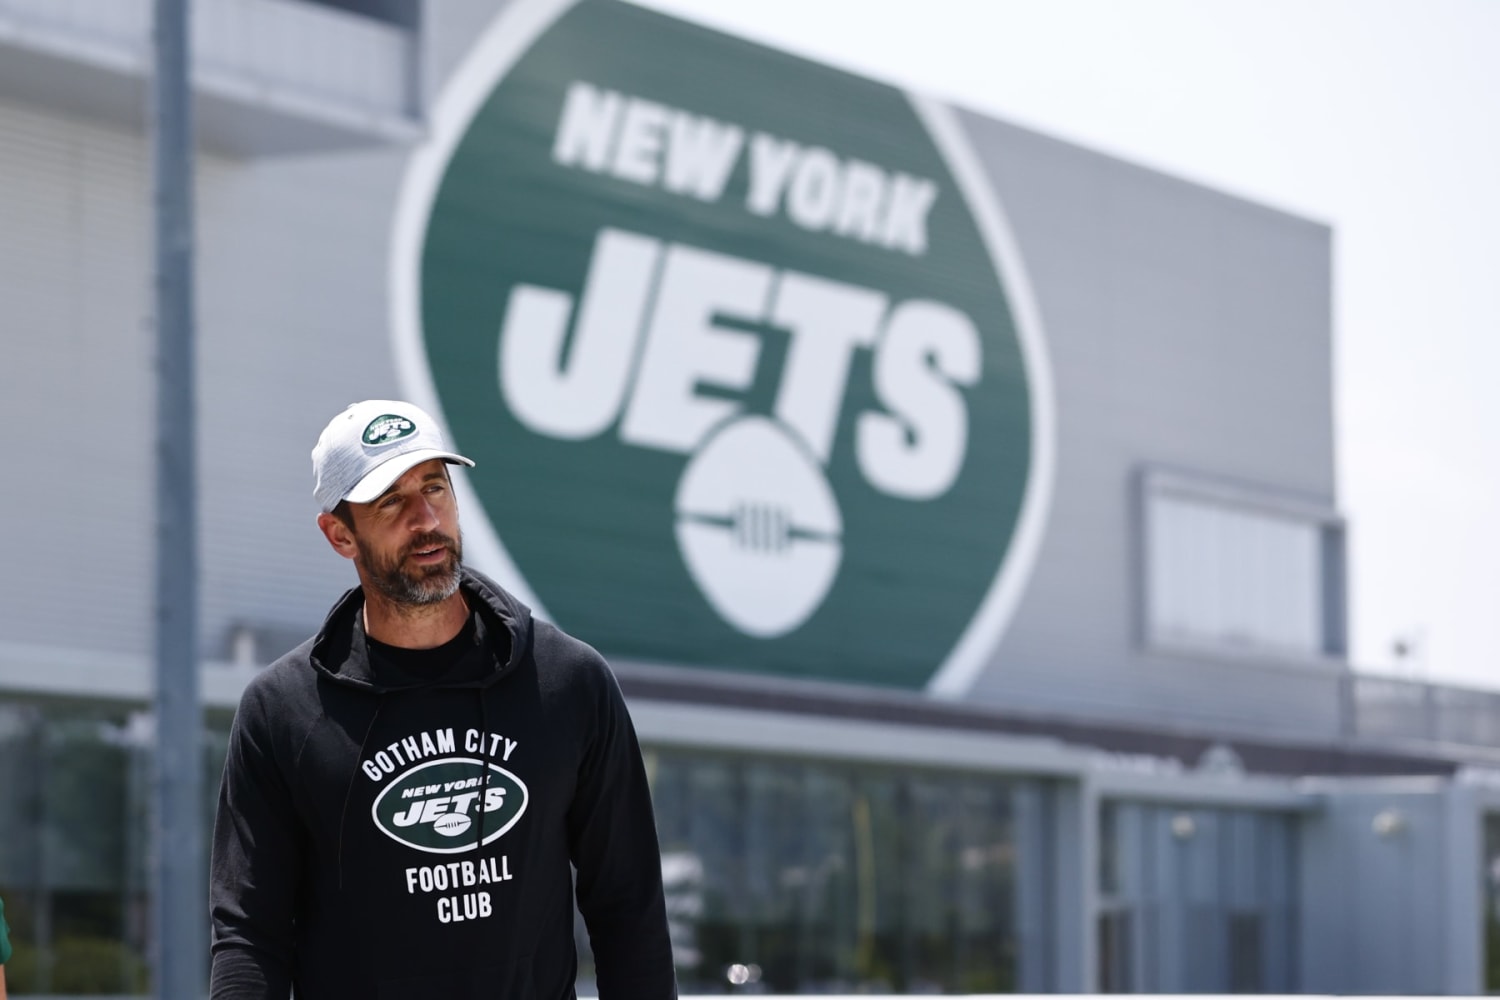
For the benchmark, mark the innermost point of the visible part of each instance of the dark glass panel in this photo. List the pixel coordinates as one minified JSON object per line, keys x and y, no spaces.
{"x":75,"y":784}
{"x":789,"y":876}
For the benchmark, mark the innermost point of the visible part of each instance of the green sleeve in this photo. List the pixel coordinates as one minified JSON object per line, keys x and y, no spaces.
{"x":4,"y":936}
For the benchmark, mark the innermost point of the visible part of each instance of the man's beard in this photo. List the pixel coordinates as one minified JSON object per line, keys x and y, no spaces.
{"x":428,"y":585}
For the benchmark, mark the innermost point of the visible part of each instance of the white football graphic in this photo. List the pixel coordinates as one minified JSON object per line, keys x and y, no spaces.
{"x":758,"y":527}
{"x":452,"y":824}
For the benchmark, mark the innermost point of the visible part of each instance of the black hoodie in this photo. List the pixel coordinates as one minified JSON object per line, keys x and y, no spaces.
{"x":414,"y":840}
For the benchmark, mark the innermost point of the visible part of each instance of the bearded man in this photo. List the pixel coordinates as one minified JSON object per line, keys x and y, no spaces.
{"x":414,"y":798}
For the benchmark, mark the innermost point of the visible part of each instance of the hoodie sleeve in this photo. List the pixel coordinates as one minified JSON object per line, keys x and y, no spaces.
{"x":612,"y":840}
{"x":257,"y":864}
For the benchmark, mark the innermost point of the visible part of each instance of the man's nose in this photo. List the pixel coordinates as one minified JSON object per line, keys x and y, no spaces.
{"x":423,"y":515}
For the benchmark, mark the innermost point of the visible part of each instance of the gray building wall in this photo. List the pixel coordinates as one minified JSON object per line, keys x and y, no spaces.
{"x":1390,"y":890}
{"x":74,"y":380}
{"x":290,"y":328}
{"x":1187,"y":329}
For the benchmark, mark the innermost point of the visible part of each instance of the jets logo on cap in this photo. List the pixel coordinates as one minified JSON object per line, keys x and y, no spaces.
{"x":387,"y":429}
{"x":768,"y":362}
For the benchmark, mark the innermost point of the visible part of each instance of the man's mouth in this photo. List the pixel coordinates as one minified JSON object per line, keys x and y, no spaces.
{"x":430,"y":554}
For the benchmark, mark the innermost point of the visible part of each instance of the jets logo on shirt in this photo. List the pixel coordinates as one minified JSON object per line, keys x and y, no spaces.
{"x":751,"y":332}
{"x":436,"y":806}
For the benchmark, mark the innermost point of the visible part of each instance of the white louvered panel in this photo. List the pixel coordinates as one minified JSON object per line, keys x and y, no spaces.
{"x":1231,"y":576}
{"x":74,"y":384}
{"x":292,"y":327}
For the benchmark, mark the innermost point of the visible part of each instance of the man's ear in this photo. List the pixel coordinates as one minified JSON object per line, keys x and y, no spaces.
{"x":339,"y":535}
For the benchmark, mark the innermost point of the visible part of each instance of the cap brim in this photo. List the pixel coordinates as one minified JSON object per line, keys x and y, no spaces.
{"x":380,"y":478}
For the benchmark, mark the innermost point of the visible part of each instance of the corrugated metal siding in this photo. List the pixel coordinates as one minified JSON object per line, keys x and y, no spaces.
{"x":310,"y":49}
{"x":74,"y":384}
{"x":449,"y":31}
{"x":291,"y":327}
{"x":1188,"y":329}
{"x":259,"y":52}
{"x":292,"y":324}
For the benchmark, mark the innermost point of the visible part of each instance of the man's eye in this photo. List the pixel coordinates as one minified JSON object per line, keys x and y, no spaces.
{"x":390,"y":502}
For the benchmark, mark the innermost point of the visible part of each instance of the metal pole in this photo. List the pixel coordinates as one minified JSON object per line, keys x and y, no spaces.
{"x":179,"y":914}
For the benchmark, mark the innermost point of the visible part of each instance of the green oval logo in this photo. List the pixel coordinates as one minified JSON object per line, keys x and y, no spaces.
{"x":436,"y":806}
{"x":387,"y":429}
{"x":757,"y":333}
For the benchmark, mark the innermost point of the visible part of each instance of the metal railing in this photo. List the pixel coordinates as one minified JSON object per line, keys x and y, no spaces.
{"x":1391,"y":708}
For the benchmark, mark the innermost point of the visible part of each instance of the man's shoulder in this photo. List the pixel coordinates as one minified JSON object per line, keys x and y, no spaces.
{"x":287,"y":678}
{"x":556,"y":649}
{"x":568,"y":664}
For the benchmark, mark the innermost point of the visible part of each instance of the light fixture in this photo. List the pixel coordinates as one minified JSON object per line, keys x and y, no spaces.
{"x":1388,"y":823}
{"x":740,"y":975}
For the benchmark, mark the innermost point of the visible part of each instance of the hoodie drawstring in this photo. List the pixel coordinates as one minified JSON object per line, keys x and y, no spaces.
{"x":349,"y":788}
{"x":484,"y":786}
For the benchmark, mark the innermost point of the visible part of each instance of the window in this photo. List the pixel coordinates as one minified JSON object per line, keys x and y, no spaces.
{"x":1490,"y":896}
{"x":799,"y":876}
{"x":1245,"y":951}
{"x":1240,"y":570}
{"x":1114,"y":951}
{"x":1204,"y":903}
{"x":75,"y":786}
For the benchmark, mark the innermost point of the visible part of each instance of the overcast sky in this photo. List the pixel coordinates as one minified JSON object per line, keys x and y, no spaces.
{"x":1380,"y":118}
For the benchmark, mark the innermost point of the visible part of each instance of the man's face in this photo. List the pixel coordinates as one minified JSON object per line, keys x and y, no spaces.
{"x":408,"y":538}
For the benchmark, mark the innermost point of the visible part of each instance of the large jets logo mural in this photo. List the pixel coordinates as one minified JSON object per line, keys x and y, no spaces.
{"x":741,"y":345}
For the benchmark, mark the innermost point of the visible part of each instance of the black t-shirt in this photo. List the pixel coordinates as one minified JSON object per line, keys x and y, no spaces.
{"x":460,"y":658}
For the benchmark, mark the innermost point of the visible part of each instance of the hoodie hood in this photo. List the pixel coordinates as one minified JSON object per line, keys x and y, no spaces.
{"x":339,"y":654}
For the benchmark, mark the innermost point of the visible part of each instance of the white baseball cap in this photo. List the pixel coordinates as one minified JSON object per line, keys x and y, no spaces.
{"x":369,"y":446}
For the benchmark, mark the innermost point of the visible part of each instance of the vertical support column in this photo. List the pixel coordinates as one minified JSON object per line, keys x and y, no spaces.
{"x":179,"y":911}
{"x":1035,"y":804}
{"x":1462,"y":854}
{"x":1335,"y":595}
{"x":1076,"y":916}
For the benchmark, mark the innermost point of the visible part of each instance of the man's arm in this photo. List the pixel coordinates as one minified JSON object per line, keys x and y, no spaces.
{"x":257,"y":865}
{"x":612,"y":840}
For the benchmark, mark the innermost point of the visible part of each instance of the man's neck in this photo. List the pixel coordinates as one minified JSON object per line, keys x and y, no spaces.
{"x":422,"y":626}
